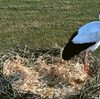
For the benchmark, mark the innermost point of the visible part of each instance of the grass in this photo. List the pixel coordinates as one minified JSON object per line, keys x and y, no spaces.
{"x":43,"y":23}
{"x":40,"y":23}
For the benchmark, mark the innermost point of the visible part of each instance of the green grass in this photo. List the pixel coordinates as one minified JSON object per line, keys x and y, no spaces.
{"x":40,"y":23}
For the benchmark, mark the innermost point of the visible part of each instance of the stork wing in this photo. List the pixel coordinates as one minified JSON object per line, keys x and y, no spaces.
{"x":88,"y":33}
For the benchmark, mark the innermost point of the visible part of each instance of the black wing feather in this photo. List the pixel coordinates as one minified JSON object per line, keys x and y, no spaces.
{"x":71,"y":49}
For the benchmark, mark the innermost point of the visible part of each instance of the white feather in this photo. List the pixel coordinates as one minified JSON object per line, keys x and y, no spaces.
{"x":88,"y":33}
{"x":94,"y":47}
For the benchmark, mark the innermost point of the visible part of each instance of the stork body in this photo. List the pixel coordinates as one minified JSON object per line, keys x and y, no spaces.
{"x":86,"y":38}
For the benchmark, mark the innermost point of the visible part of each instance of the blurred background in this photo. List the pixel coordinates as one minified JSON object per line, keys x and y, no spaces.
{"x":43,"y":23}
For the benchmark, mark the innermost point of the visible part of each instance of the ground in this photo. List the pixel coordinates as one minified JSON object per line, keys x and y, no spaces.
{"x":40,"y":24}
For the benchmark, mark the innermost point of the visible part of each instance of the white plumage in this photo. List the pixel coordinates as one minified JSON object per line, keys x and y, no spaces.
{"x":87,"y":34}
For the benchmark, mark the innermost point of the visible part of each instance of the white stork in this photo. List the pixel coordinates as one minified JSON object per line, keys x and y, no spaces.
{"x":86,"y":38}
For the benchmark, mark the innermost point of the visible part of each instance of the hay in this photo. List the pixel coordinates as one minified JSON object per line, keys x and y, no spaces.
{"x":44,"y":74}
{"x":49,"y":80}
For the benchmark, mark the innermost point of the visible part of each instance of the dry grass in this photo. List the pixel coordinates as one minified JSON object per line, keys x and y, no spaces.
{"x":42,"y":74}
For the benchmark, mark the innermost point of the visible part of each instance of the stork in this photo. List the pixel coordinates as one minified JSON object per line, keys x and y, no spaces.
{"x":86,"y":38}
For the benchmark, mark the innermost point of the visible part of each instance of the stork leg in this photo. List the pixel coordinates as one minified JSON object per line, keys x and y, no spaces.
{"x":86,"y":67}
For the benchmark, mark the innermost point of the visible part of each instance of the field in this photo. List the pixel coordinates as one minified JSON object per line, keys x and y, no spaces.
{"x":42,"y":23}
{"x":32,"y":34}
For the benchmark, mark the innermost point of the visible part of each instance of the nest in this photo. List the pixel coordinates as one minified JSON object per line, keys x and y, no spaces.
{"x":44,"y":74}
{"x":48,"y":80}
